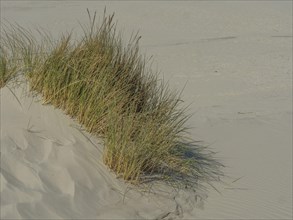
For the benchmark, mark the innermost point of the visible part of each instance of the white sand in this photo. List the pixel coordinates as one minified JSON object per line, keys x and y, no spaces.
{"x":236,"y":58}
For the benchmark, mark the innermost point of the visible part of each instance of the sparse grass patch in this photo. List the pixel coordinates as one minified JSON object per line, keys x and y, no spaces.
{"x":8,"y":68}
{"x":111,"y":91}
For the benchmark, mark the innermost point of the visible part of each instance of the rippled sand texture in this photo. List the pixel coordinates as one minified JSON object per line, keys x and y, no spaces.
{"x":236,"y":61}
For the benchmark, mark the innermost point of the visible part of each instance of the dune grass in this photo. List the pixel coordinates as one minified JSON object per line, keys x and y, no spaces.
{"x":8,"y":68}
{"x":109,"y":88}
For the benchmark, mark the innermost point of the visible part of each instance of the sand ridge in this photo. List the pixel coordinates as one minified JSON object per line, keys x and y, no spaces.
{"x":50,"y":169}
{"x":236,"y":58}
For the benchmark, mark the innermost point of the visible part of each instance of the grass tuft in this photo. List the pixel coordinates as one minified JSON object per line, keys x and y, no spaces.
{"x":8,"y":68}
{"x":111,"y":91}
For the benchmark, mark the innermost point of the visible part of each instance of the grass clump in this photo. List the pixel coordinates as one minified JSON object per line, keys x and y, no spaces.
{"x":8,"y":69}
{"x":110,"y":90}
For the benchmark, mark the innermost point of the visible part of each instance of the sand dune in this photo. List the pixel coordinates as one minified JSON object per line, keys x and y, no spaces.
{"x":236,"y":58}
{"x":51,"y":168}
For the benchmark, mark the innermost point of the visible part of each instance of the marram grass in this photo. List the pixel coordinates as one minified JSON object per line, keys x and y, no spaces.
{"x":111,"y":91}
{"x":8,"y":68}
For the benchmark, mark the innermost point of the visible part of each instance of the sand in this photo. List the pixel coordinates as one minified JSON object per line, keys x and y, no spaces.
{"x":235,"y":61}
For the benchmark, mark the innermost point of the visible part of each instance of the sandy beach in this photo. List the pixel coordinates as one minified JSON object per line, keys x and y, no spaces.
{"x":234,"y":61}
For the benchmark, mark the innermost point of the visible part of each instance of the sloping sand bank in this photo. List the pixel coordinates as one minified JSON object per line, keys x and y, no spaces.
{"x":51,"y":168}
{"x":236,"y":58}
